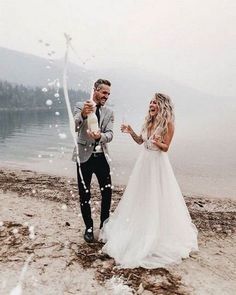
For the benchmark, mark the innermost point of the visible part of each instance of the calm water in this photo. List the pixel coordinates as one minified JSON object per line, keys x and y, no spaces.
{"x":203,"y":158}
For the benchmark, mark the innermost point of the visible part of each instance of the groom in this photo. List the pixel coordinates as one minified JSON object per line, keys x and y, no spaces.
{"x":93,"y":154}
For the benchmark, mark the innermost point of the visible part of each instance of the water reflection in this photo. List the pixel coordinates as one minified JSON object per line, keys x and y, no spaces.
{"x":20,"y":122}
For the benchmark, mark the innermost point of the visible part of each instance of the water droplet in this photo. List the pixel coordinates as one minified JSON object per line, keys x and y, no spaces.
{"x":98,"y":148}
{"x":56,"y":95}
{"x":31,"y":228}
{"x":66,"y":244}
{"x":62,"y":135}
{"x":57,"y":113}
{"x":32,"y":236}
{"x":15,"y":231}
{"x":44,"y":89}
{"x":49,"y":102}
{"x":64,"y":207}
{"x":17,"y":290}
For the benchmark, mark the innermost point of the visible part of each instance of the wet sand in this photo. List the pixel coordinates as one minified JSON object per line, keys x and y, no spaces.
{"x":40,"y":216}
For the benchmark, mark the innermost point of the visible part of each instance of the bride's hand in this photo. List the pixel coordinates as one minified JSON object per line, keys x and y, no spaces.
{"x":156,"y":140}
{"x":126,"y":128}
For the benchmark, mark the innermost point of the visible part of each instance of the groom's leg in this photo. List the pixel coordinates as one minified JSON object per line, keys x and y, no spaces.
{"x":84,"y":192}
{"x":102,"y":172}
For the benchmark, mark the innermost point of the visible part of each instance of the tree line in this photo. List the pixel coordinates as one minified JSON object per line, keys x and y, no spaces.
{"x":20,"y":97}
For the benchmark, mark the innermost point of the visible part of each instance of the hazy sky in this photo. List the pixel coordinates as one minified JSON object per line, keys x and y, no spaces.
{"x":191,"y":41}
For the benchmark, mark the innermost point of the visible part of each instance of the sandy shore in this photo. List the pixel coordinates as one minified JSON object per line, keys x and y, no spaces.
{"x":41,"y":228}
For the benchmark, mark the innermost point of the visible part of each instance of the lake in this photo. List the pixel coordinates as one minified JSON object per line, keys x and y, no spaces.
{"x":202,"y":155}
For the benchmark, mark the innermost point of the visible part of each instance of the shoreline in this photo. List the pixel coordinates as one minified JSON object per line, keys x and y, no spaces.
{"x":21,"y":166}
{"x":63,"y":263}
{"x":213,"y":212}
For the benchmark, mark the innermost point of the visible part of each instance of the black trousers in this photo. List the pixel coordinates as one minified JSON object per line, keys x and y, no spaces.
{"x":98,"y":165}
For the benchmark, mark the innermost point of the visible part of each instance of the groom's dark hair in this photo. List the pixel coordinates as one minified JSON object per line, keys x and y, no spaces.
{"x":99,"y":82}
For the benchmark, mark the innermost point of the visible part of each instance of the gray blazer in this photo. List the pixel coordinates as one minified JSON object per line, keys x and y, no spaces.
{"x":86,"y":143}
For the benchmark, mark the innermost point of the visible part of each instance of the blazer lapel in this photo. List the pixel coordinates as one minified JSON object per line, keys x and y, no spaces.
{"x":102,"y":115}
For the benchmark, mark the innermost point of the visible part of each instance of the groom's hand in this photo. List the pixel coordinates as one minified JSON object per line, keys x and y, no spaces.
{"x":94,"y":135}
{"x":88,"y":108}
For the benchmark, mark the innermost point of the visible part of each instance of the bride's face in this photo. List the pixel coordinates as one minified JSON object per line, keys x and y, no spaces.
{"x":153,"y":108}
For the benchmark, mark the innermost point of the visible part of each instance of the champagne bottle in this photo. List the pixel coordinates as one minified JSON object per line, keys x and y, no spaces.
{"x":93,"y":120}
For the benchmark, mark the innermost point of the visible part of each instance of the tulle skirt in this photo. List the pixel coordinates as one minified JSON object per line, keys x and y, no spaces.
{"x":151,"y":226}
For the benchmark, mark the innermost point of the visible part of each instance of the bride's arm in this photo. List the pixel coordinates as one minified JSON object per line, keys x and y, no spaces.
{"x":137,"y":138}
{"x":165,"y":142}
{"x":128,"y":129}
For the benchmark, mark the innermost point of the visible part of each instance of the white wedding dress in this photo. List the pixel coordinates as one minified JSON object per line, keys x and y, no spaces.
{"x":151,"y":226}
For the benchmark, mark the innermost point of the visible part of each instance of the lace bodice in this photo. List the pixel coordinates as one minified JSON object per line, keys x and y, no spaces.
{"x":148,"y":141}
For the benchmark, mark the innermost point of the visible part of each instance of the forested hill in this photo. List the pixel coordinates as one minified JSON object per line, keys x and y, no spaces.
{"x":27,"y":69}
{"x":19,"y":97}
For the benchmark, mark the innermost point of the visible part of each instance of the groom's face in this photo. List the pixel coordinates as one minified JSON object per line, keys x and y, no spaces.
{"x":101,"y":94}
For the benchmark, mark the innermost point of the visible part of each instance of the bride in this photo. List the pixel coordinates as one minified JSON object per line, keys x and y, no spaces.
{"x":151,"y":226}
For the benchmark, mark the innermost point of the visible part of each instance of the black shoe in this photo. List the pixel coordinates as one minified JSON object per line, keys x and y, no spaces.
{"x":88,"y":236}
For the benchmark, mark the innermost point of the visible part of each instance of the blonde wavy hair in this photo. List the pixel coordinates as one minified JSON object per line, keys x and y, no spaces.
{"x":164,"y":115}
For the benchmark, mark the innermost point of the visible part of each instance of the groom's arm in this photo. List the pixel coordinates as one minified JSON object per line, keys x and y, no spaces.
{"x":81,"y":112}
